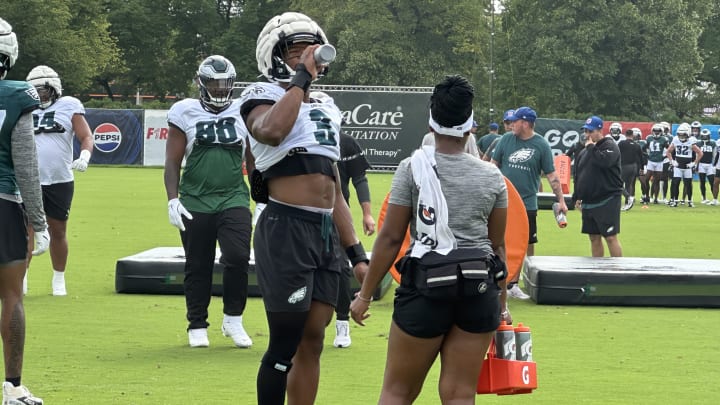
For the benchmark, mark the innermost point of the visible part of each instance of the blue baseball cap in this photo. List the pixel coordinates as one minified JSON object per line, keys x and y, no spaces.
{"x":494,"y":126}
{"x":525,"y":114}
{"x":474,"y":124}
{"x":508,"y":114}
{"x":593,"y":123}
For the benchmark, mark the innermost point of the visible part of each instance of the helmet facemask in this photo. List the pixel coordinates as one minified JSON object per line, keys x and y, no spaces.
{"x":215,"y":79}
{"x":47,"y":94}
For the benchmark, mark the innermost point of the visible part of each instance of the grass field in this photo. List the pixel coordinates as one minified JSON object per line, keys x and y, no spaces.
{"x":98,"y":347}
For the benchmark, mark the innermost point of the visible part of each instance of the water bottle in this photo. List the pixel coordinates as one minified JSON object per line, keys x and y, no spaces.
{"x":523,"y":343}
{"x":559,"y":216}
{"x":505,"y":342}
{"x":324,"y":54}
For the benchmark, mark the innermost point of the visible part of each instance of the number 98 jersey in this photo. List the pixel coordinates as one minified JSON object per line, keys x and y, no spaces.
{"x":212,"y":179}
{"x":316,"y":130}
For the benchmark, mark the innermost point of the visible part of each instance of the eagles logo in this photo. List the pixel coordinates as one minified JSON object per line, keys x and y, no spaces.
{"x":297,"y":296}
{"x":522,"y":155}
{"x":32,"y":92}
{"x":426,"y":214}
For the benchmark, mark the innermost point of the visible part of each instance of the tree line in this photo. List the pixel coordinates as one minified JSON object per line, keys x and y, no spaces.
{"x":629,"y":59}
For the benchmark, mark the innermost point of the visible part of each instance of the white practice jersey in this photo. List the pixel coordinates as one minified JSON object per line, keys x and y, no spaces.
{"x":205,"y":127}
{"x":683,"y":150}
{"x":316,"y":130}
{"x":54,"y":139}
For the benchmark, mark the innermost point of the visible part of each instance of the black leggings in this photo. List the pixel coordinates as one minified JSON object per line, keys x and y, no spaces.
{"x":629,"y":174}
{"x":710,"y":178}
{"x":286,"y":331}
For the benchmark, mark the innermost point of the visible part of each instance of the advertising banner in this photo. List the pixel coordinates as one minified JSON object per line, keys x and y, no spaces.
{"x":155,"y":136}
{"x":117,"y":135}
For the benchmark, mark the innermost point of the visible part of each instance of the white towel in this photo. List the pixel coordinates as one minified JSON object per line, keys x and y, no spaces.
{"x":431,"y":227}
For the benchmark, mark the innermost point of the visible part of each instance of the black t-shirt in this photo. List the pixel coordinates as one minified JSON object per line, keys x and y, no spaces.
{"x":352,"y":162}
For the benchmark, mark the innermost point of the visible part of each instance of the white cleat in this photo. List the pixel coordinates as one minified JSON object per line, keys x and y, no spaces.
{"x":342,"y":334}
{"x":19,"y":395}
{"x":516,"y":292}
{"x":198,"y":337}
{"x":232,"y":327}
{"x":58,"y":287}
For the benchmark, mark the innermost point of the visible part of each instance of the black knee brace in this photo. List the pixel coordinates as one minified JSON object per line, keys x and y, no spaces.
{"x":275,"y":363}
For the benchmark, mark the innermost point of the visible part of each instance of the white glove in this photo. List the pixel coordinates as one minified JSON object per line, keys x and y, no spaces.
{"x":175,"y":212}
{"x":674,"y":163}
{"x":42,"y":242}
{"x":81,"y":164}
{"x":691,"y":165}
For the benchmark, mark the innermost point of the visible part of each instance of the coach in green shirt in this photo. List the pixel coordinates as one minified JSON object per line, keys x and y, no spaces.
{"x":522,"y":156}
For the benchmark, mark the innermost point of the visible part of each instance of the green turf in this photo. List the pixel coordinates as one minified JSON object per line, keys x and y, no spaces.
{"x":98,"y":347}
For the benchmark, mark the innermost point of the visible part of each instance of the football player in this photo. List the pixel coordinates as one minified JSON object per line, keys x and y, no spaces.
{"x":20,"y":203}
{"x":667,"y":167}
{"x":294,"y":139}
{"x":616,"y":132}
{"x":59,"y":120}
{"x":642,"y":174}
{"x":706,"y":170}
{"x":210,"y":203}
{"x":656,"y":145}
{"x":680,"y":153}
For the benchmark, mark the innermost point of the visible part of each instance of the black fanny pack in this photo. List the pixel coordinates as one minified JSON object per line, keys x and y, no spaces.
{"x":463,"y":272}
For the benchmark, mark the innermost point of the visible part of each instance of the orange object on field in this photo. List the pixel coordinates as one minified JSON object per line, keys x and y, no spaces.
{"x":506,"y":377}
{"x":406,"y":242}
{"x":562,"y":168}
{"x":516,"y":234}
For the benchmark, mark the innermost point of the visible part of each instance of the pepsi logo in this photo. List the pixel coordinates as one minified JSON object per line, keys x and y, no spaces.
{"x":107,"y":137}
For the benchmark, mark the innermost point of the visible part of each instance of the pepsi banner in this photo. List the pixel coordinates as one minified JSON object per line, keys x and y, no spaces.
{"x":117,"y":135}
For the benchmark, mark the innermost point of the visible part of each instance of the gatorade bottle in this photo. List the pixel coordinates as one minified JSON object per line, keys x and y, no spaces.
{"x":505,"y":342}
{"x":559,"y":216}
{"x":523,"y":342}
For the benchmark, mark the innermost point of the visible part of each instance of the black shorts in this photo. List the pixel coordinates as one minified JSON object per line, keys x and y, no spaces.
{"x":296,"y":258}
{"x":13,"y":232}
{"x":421,"y":317}
{"x":57,"y":199}
{"x":603,"y":220}
{"x":532,"y":226}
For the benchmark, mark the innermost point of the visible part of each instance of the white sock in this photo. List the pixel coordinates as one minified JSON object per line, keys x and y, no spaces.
{"x":58,"y":275}
{"x":232,"y":318}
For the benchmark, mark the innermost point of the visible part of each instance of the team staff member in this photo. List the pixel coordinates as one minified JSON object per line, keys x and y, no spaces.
{"x":294,"y":140}
{"x":598,"y":189}
{"x":522,"y":157}
{"x":59,"y":120}
{"x":212,"y":201}
{"x":459,"y":331}
{"x":20,"y":202}
{"x":632,"y":159}
{"x":484,"y":142}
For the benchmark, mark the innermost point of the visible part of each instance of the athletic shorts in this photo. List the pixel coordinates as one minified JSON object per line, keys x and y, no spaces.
{"x":655,"y":166}
{"x":13,"y":232}
{"x":296,"y":258}
{"x":682,"y":173}
{"x":706,"y":168}
{"x":57,"y":199}
{"x":421,"y":317}
{"x":532,"y":227}
{"x":603,"y":220}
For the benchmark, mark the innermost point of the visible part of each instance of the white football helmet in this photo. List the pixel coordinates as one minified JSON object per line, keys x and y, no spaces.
{"x":215,"y":78}
{"x":637,"y":134}
{"x":666,"y":127}
{"x":683,"y":131}
{"x":615,"y":130}
{"x":47,"y":82}
{"x":657,"y":130}
{"x":277,"y":35}
{"x":8,"y":48}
